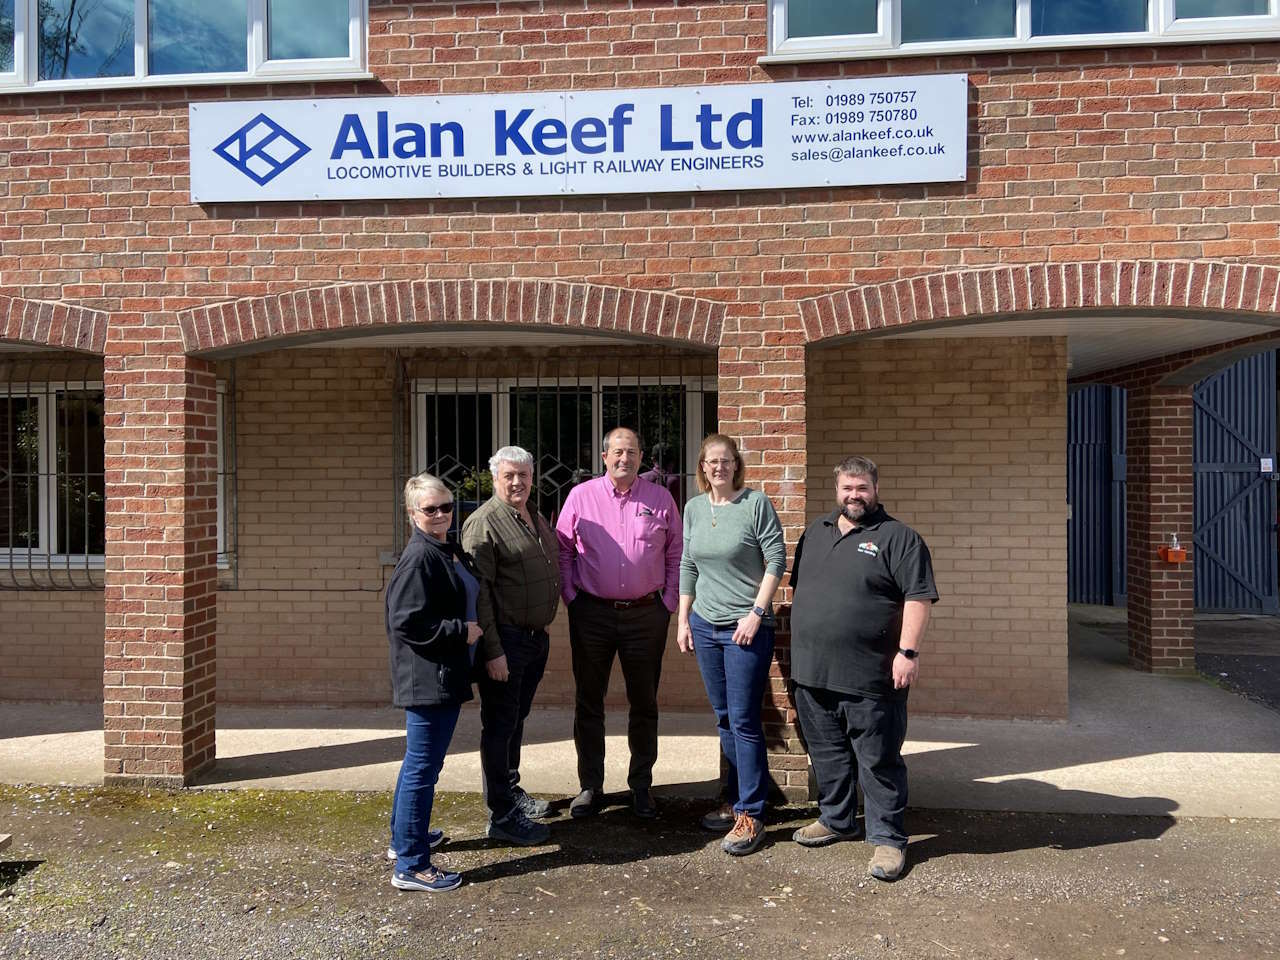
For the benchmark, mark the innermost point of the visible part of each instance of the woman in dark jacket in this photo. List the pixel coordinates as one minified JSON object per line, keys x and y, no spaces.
{"x":431,"y":630}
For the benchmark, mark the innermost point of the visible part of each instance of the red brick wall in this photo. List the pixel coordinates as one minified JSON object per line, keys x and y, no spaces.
{"x":1077,"y":156}
{"x":1082,"y":156}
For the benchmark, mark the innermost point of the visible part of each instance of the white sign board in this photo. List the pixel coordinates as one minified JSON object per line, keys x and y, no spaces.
{"x":823,"y":133}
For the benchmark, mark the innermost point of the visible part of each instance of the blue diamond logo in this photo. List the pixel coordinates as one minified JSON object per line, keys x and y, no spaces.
{"x":262,"y":149}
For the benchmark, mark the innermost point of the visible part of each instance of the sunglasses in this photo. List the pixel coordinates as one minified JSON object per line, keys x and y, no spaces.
{"x":444,"y":508}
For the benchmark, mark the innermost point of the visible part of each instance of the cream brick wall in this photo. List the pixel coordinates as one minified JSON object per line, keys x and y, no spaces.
{"x":314,"y":491}
{"x":970,"y":439}
{"x":51,"y":645}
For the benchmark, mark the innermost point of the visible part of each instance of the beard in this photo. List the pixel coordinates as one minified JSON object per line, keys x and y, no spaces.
{"x":857,"y":509}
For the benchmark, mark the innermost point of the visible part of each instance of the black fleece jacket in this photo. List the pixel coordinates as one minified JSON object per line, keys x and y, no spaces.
{"x":426,"y":626}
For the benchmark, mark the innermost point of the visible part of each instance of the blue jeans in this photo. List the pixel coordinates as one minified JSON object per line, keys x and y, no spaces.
{"x":735,"y":677}
{"x":428,"y":731}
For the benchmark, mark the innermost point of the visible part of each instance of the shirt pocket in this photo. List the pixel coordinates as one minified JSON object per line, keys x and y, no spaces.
{"x":650,"y":529}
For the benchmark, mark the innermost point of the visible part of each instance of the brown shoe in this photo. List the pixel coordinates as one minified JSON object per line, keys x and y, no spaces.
{"x":818,"y":834}
{"x":745,"y":836}
{"x":887,"y":863}
{"x":720,"y":819}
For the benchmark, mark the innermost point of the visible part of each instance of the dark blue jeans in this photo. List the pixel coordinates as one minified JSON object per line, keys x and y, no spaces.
{"x":857,"y":741}
{"x":735,"y":677}
{"x":504,"y":706}
{"x":428,"y":731}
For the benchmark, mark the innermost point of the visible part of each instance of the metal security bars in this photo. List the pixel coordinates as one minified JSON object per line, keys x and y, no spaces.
{"x":52,"y":477}
{"x":556,"y":404}
{"x":228,"y":502}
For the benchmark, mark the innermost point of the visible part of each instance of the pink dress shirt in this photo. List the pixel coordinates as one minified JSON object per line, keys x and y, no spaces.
{"x":620,"y":546}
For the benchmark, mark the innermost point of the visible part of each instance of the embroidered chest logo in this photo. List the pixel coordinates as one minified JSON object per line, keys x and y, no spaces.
{"x":869,"y":548}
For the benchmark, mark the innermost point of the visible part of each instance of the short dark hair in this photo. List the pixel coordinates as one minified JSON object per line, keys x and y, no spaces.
{"x":858,"y":467}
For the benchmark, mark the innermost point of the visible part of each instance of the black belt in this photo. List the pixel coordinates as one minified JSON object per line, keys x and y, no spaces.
{"x":648,"y":598}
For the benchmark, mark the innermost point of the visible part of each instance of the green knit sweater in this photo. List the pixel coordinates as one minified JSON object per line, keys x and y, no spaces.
{"x":724,"y":561}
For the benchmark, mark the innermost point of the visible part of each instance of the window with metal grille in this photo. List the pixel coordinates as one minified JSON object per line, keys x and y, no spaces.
{"x":53,"y":478}
{"x":559,"y":411}
{"x":52,"y":481}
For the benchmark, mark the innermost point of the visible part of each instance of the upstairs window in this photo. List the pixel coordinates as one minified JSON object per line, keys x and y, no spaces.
{"x":79,"y":44}
{"x":850,"y":29}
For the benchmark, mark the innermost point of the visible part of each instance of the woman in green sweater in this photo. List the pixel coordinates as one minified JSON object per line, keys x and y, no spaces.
{"x":734,"y":557}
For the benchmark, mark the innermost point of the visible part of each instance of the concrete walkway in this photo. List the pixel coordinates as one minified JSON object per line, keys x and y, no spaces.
{"x":1135,"y":744}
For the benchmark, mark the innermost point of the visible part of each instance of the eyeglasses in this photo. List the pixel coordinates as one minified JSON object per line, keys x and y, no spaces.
{"x":444,"y":508}
{"x":719,"y":463}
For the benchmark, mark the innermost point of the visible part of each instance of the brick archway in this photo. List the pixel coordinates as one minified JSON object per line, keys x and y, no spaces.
{"x":60,"y":326}
{"x":1171,"y":287}
{"x":303,"y":315}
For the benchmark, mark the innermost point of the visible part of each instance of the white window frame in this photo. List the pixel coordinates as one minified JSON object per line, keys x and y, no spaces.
{"x":500,"y":389}
{"x":27,"y":59}
{"x":42,"y":557}
{"x":887,"y":41}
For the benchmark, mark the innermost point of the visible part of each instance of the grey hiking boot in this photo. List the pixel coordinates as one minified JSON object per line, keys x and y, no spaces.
{"x":516,"y":828}
{"x":531,"y":807}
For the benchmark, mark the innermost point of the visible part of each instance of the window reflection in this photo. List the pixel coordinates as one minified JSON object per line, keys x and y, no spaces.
{"x":924,"y":20}
{"x":829,"y":18}
{"x":6,"y":36}
{"x":196,"y":36}
{"x":1055,"y":18}
{"x":302,"y":29}
{"x":1199,"y":9}
{"x":83,"y":39}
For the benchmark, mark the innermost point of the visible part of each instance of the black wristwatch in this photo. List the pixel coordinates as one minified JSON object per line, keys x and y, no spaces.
{"x":909,"y":654}
{"x":759,"y":611}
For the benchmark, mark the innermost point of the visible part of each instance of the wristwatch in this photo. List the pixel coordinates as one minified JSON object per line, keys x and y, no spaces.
{"x":909,"y":654}
{"x":759,"y":611}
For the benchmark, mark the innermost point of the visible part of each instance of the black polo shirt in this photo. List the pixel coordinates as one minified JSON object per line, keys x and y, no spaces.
{"x":846,"y":613}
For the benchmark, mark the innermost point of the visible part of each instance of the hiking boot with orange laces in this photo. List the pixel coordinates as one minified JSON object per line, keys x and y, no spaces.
{"x":745,"y":837}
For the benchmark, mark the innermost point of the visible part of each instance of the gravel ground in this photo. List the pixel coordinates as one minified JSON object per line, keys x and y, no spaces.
{"x":107,"y":874}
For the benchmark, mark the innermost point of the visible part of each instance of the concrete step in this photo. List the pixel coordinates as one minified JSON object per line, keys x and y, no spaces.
{"x":5,"y":840}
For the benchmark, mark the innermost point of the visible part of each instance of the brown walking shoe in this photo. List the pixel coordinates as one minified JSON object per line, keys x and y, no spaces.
{"x":887,"y":863}
{"x":745,"y":837}
{"x":818,"y":834}
{"x":720,"y":819}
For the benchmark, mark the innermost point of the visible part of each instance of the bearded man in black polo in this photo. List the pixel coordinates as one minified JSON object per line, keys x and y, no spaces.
{"x":863,"y":586}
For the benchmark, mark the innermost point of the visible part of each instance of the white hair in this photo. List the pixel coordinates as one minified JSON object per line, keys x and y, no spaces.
{"x":517,"y":455}
{"x":419,"y":486}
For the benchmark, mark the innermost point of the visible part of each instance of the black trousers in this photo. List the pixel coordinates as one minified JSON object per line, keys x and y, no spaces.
{"x":856,"y":740}
{"x":504,"y":705}
{"x":637,"y":636}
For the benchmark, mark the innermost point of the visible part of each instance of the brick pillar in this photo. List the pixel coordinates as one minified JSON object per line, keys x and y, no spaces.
{"x":1159,"y":504}
{"x":762,"y":406}
{"x":161,"y":577}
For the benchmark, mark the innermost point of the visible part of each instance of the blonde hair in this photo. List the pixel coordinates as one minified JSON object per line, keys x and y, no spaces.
{"x":714,"y":439}
{"x":416,"y":487}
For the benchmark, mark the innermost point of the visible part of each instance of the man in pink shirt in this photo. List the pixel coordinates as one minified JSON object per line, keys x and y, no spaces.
{"x":620,"y":543}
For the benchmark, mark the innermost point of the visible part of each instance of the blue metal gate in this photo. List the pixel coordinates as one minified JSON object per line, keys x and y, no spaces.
{"x":1095,"y":493}
{"x":1235,"y":500}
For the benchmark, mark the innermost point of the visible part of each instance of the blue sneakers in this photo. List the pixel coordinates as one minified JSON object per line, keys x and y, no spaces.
{"x":430,"y":880}
{"x":434,"y":838}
